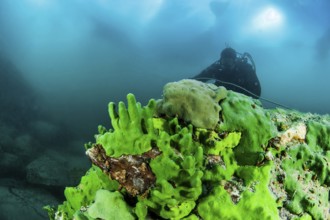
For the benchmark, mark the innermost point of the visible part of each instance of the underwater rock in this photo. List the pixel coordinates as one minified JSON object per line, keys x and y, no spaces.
{"x":17,"y":97}
{"x":252,"y":163}
{"x":44,"y":131}
{"x":21,"y":201}
{"x":52,"y":169}
{"x":9,"y":163}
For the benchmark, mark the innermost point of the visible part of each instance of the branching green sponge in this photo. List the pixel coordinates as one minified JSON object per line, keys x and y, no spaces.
{"x":251,"y":203}
{"x":82,"y":195}
{"x":133,"y":128}
{"x":181,"y":163}
{"x":107,"y":206}
{"x":306,"y":164}
{"x":160,"y":163}
{"x":318,"y":139}
{"x":244,"y":114}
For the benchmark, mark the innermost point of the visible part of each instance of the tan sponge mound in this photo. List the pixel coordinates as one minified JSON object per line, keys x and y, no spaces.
{"x":193,"y":101}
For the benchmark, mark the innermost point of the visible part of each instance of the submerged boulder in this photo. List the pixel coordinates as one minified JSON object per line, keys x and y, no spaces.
{"x":252,"y":163}
{"x":17,"y":97}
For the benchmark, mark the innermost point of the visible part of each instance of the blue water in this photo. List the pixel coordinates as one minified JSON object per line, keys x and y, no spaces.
{"x":82,"y":54}
{"x":62,"y":61}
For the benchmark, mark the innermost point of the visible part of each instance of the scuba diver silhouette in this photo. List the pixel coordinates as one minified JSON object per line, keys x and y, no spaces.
{"x":234,"y":71}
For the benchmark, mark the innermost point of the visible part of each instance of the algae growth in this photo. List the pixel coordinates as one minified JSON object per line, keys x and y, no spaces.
{"x":226,"y":159}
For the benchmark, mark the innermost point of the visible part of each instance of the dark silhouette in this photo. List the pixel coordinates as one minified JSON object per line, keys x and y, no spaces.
{"x":233,"y":72}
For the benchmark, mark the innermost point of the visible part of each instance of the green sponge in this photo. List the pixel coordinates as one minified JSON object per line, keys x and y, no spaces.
{"x":244,"y":114}
{"x":83,"y":194}
{"x":251,"y":163}
{"x":135,"y":121}
{"x":108,"y":206}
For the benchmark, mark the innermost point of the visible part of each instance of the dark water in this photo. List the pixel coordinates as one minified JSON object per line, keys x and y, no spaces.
{"x":68,"y":59}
